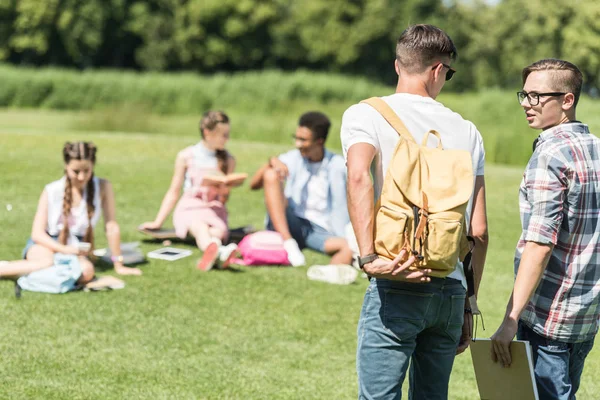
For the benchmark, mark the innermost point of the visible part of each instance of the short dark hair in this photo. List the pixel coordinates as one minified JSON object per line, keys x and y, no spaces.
{"x":317,"y":122}
{"x":566,"y":78}
{"x":421,"y":45}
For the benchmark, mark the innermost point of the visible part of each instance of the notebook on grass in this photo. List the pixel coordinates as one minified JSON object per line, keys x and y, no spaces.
{"x":495,"y":382}
{"x":169,"y":253}
{"x":130,"y":251}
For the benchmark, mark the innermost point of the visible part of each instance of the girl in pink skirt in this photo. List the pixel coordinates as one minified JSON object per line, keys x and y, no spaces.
{"x":201,"y":210}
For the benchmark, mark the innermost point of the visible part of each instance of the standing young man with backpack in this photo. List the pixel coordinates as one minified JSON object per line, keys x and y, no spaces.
{"x":407,"y":314}
{"x":555,"y":303}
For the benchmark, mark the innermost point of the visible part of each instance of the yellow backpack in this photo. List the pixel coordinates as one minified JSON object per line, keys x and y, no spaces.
{"x":423,"y":200}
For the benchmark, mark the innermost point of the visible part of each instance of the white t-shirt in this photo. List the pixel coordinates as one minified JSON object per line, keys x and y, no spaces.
{"x":361,"y":123}
{"x":314,"y":206}
{"x":78,"y":220}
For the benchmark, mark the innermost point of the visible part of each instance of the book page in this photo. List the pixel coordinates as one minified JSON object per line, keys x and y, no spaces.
{"x":231,"y":180}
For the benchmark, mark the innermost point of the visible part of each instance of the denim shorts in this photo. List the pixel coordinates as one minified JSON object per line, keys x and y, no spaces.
{"x":30,"y":243}
{"x":306,"y":233}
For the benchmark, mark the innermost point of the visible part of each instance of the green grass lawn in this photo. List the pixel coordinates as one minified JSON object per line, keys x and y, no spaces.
{"x":177,"y":333}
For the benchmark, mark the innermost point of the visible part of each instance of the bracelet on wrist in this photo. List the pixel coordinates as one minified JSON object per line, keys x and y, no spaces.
{"x":118,"y":259}
{"x":468,"y":311}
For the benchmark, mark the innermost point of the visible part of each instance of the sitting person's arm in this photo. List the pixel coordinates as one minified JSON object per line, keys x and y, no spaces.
{"x":279,"y":166}
{"x":171,"y":196}
{"x":41,"y":237}
{"x":113,"y":233}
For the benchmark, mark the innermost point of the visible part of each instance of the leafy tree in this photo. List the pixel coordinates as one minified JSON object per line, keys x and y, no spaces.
{"x":582,"y":42}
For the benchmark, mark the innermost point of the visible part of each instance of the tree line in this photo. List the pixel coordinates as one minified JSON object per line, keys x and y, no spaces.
{"x":495,"y":41}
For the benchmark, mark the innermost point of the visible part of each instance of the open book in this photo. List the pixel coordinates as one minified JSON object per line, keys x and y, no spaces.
{"x":495,"y":382}
{"x":230,"y":180}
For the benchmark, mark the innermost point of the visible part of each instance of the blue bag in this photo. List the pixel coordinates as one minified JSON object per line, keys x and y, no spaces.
{"x":59,"y":278}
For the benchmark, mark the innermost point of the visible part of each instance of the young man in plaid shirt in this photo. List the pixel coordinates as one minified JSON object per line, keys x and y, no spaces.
{"x":555,"y":302}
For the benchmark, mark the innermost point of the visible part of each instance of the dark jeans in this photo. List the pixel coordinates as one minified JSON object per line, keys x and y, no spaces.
{"x":557,"y":365}
{"x":402,"y":322}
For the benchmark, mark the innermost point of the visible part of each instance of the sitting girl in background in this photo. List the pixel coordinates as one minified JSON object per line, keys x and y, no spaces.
{"x":201,"y":211}
{"x":67,"y":212}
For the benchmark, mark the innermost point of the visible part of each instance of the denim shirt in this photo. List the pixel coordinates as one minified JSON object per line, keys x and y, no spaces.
{"x":296,"y":186}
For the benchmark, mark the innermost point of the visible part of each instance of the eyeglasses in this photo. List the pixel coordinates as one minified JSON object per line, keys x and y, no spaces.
{"x":534,"y":98}
{"x":449,"y":74}
{"x":300,"y":139}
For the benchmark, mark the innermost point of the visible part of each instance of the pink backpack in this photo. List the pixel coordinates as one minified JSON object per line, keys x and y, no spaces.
{"x":262,"y":248}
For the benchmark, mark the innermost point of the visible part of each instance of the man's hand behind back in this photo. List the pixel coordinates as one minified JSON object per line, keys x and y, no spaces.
{"x":397,"y":270}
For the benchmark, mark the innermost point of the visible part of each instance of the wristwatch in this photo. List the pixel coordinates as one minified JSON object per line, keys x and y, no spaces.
{"x":362,"y":261}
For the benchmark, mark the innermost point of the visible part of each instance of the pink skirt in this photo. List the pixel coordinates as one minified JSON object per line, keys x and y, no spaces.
{"x":190,"y":210}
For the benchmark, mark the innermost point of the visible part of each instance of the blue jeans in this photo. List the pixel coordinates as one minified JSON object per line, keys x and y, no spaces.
{"x":557,"y":365}
{"x":402,"y":322}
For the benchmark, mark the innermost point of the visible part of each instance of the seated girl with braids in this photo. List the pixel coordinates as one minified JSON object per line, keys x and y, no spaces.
{"x":67,"y":212}
{"x":201,"y":209}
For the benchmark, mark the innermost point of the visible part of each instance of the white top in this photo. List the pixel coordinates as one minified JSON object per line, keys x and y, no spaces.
{"x":313,"y":207}
{"x":199,"y":159}
{"x":361,"y":123}
{"x":78,"y":220}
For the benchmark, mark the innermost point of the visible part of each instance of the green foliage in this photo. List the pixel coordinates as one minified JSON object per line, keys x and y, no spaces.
{"x":176,"y":93}
{"x":498,"y":42}
{"x":357,"y":37}
{"x":264,"y":106}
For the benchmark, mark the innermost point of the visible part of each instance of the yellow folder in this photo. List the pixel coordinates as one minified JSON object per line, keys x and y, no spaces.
{"x":495,"y":382}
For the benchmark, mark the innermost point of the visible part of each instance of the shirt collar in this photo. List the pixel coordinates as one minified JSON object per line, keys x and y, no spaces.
{"x":573,"y":127}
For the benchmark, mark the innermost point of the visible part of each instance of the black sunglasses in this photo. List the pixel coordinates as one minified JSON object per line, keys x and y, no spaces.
{"x":449,"y":74}
{"x":534,"y":98}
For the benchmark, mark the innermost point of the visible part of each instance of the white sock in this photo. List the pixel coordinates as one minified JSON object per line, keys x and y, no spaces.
{"x":225,"y":251}
{"x":295,"y":255}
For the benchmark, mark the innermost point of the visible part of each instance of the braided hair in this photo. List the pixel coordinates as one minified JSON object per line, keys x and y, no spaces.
{"x":78,"y":151}
{"x":209,"y":121}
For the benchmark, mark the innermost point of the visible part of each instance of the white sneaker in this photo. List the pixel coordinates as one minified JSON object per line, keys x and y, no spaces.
{"x":226,"y":253}
{"x":340,"y":274}
{"x":295,"y":256}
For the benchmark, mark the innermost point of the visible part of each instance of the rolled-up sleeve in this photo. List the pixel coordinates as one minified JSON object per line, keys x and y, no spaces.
{"x":357,"y":127}
{"x":545,"y":185}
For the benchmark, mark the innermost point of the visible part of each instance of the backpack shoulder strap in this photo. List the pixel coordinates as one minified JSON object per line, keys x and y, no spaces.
{"x":390,"y":116}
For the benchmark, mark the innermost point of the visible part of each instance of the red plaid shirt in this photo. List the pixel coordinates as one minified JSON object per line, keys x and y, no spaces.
{"x":559,"y":201}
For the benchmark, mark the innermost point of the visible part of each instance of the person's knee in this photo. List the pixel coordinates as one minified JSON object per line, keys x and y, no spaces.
{"x":219,"y":232}
{"x":41,"y":255}
{"x":270,"y":176}
{"x":197,"y":227}
{"x":345,"y":247}
{"x":45,"y":262}
{"x":87,"y":271}
{"x":335,"y":245}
